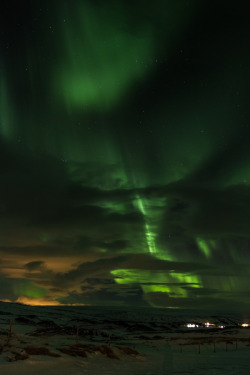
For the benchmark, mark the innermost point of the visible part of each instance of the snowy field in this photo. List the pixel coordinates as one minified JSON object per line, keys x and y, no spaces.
{"x":87,"y":340}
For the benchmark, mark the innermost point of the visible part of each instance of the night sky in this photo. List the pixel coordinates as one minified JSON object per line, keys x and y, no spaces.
{"x":125,"y":153}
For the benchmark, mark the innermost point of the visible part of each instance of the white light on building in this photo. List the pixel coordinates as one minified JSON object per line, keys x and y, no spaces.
{"x":192,"y":325}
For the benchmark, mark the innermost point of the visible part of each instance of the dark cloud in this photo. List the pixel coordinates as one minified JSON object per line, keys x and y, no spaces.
{"x":148,"y":262}
{"x":98,"y":281}
{"x":34,"y":266}
{"x":115,"y":245}
{"x":88,"y":269}
{"x":121,"y":296}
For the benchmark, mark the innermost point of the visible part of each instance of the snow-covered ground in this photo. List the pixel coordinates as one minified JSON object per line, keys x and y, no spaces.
{"x":88,"y":340}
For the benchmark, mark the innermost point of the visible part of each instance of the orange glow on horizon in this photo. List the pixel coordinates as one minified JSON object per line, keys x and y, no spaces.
{"x":36,"y":301}
{"x":44,"y":302}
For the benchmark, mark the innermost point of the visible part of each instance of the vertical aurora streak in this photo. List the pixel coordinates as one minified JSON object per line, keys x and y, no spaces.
{"x":149,"y":235}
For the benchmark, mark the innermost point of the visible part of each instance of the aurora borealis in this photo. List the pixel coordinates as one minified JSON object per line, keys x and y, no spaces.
{"x":125,"y":153}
